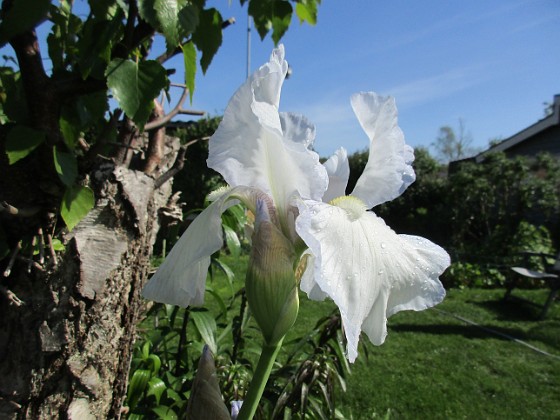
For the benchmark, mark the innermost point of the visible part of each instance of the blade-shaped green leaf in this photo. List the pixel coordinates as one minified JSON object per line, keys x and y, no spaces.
{"x":21,"y":141}
{"x":232,"y":241}
{"x":165,"y":413}
{"x":135,"y":85}
{"x":66,"y":166}
{"x":156,"y":387}
{"x":208,"y":36}
{"x":189,"y":55}
{"x":206,"y":326}
{"x":76,"y":204}
{"x":136,"y":386}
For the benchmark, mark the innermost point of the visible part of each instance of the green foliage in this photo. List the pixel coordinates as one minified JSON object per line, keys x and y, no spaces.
{"x":209,"y":38}
{"x":189,"y":56}
{"x":306,"y":375}
{"x":309,"y":369}
{"x":21,"y":141}
{"x":76,"y":204}
{"x":23,"y":15}
{"x":99,"y":52}
{"x":135,"y":85}
{"x":489,"y":201}
{"x":66,"y":166}
{"x":464,"y":274}
{"x":196,"y":180}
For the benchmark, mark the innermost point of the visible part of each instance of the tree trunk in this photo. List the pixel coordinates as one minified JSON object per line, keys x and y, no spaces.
{"x":65,"y":352}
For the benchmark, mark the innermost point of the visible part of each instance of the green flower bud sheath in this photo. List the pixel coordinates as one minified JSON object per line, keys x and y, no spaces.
{"x":272,"y":294}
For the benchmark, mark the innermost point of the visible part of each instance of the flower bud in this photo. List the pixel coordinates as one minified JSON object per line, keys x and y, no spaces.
{"x":270,"y":283}
{"x":206,"y":400}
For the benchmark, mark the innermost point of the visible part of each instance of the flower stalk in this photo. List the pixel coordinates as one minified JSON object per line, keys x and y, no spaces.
{"x":258,"y":383}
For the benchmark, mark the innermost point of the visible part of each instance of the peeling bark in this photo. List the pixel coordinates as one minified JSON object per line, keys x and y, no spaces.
{"x":66,"y":352}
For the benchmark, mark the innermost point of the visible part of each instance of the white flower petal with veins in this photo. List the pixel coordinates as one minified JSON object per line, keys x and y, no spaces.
{"x":181,"y":278}
{"x":256,"y":146}
{"x":367,"y":269}
{"x":388,"y":171}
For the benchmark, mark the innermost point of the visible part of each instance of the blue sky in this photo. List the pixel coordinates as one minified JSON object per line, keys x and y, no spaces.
{"x":490,"y":62}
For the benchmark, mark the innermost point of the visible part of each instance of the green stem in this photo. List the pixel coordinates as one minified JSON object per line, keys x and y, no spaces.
{"x":258,"y":383}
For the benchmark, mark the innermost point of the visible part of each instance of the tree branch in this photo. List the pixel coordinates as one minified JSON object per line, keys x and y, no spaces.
{"x":160,"y":122}
{"x":156,"y":142}
{"x":179,"y":163}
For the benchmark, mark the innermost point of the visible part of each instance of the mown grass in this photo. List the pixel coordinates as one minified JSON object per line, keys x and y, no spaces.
{"x":436,"y":365}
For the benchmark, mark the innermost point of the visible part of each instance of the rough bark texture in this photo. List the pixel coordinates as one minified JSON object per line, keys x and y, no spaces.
{"x":65,"y":353}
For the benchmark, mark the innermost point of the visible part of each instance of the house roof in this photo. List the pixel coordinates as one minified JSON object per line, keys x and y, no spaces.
{"x":529,"y":132}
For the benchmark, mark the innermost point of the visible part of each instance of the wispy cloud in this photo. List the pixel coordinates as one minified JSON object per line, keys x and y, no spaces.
{"x":438,"y":86}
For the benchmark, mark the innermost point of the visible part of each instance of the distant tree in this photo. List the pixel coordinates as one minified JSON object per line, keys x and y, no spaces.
{"x":494,"y":141}
{"x":453,"y":144}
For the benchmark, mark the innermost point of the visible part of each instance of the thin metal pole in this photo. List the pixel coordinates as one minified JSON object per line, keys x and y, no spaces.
{"x":248,"y":45}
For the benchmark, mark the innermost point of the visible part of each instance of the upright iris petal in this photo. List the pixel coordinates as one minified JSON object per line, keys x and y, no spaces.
{"x":259,"y":151}
{"x":363,"y":265}
{"x":256,"y":145}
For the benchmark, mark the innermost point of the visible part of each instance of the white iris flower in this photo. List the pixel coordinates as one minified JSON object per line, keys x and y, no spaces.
{"x":368,"y":270}
{"x":352,"y":255}
{"x":263,"y":155}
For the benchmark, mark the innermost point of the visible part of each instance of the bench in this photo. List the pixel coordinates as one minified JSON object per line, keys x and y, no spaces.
{"x":550,"y":275}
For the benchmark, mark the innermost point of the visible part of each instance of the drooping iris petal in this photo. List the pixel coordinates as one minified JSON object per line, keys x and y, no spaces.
{"x":250,"y":147}
{"x":308,"y":283}
{"x":181,"y":279}
{"x":338,"y":171}
{"x":367,"y":269}
{"x":388,"y":171}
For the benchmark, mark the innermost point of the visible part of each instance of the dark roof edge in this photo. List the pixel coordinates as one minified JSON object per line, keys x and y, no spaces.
{"x":541,"y":125}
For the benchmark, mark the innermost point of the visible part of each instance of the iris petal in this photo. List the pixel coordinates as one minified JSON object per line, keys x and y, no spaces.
{"x":254,"y":146}
{"x":338,"y":170}
{"x":388,"y":171}
{"x":181,"y":279}
{"x":368,"y":270}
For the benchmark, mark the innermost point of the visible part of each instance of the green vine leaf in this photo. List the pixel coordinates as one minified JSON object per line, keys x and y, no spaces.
{"x":306,"y":11}
{"x":21,"y":141}
{"x":66,"y":166}
{"x":275,"y":14}
{"x":135,"y":85}
{"x":167,"y":14}
{"x":76,"y":204}
{"x":208,"y":36}
{"x":189,"y":55}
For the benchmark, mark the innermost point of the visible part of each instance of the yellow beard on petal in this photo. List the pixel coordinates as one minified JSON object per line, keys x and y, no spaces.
{"x":353,"y":206}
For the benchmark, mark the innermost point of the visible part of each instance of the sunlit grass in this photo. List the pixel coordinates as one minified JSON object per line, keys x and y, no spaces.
{"x":436,"y":365}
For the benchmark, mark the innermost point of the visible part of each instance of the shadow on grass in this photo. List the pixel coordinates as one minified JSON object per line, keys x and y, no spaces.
{"x":467,"y":331}
{"x":512,"y":309}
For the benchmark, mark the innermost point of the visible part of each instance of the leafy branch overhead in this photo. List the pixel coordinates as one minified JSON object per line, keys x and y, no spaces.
{"x":58,"y":114}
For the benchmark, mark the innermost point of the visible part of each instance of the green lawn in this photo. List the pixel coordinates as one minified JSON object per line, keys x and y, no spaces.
{"x":435,"y":365}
